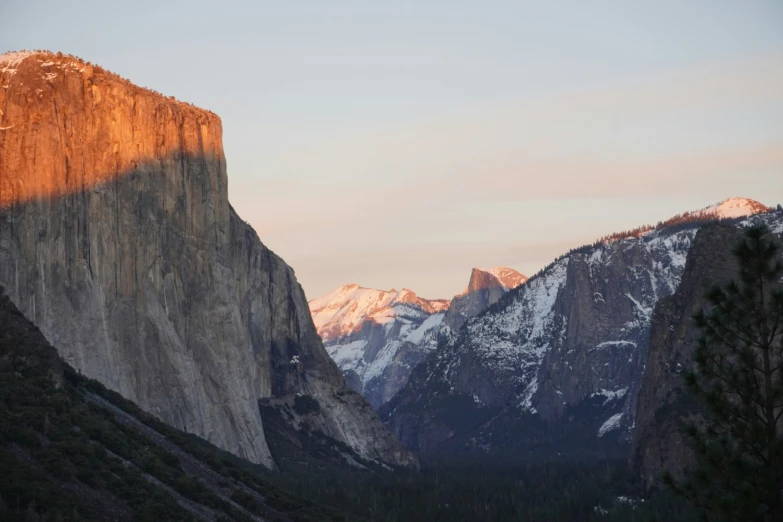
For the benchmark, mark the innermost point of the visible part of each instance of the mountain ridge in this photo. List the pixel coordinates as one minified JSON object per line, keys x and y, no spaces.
{"x":569,"y":343}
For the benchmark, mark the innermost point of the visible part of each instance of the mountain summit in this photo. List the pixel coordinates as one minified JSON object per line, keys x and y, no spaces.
{"x":484,"y":289}
{"x":555,"y":367}
{"x":500,"y":276}
{"x":375,"y":336}
{"x":731,"y":208}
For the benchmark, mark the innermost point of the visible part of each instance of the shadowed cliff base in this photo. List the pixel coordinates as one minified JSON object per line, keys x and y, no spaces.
{"x":72,"y":450}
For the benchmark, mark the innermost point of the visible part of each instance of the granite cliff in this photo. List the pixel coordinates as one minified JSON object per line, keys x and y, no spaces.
{"x":665,"y":405}
{"x":117,"y":239}
{"x":485,"y":288}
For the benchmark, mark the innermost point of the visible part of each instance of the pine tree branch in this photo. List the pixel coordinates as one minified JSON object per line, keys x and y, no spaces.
{"x":734,"y":430}
{"x":725,"y":307}
{"x":748,"y":340}
{"x":738,"y":390}
{"x":727,"y":343}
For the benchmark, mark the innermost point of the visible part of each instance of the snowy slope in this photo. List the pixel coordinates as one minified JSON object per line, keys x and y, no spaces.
{"x":565,"y":349}
{"x":343,"y":310}
{"x":732,"y":208}
{"x":377,"y":337}
{"x":508,"y":277}
{"x":10,"y":61}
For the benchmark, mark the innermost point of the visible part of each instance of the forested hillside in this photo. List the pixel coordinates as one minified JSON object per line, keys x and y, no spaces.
{"x":72,"y":450}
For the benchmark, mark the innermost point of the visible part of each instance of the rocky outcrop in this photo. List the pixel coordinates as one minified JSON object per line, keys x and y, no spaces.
{"x":665,"y":405}
{"x":118,"y":241}
{"x":565,"y":351}
{"x":485,"y":288}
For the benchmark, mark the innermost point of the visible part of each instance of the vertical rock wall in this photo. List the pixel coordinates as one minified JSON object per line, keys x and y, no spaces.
{"x":117,"y":239}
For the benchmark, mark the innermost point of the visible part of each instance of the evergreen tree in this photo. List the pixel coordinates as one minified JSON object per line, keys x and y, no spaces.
{"x":739,"y":378}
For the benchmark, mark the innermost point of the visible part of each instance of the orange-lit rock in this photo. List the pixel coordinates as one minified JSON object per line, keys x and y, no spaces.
{"x":118,"y":241}
{"x":68,"y":126}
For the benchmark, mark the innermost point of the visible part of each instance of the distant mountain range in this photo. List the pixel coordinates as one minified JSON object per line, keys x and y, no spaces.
{"x":547,"y":366}
{"x":377,"y":337}
{"x":555,"y":366}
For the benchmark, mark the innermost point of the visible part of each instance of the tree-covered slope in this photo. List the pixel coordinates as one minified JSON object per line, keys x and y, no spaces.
{"x":72,"y":450}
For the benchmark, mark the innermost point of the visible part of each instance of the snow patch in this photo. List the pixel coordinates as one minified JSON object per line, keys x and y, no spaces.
{"x":10,"y":61}
{"x":612,"y":423}
{"x":508,"y":277}
{"x":431,"y":323}
{"x":732,"y":208}
{"x":611,"y":344}
{"x":610,"y":394}
{"x":646,"y":311}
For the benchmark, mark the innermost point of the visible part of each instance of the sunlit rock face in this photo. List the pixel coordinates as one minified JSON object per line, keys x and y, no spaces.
{"x":485,"y":288}
{"x":117,"y":239}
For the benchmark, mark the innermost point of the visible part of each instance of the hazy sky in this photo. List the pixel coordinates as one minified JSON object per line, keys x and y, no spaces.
{"x":398,"y":144}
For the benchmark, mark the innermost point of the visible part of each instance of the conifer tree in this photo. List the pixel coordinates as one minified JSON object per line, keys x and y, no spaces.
{"x":738,"y":377}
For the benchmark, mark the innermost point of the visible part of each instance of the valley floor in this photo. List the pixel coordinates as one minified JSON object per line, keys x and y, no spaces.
{"x":492,"y":491}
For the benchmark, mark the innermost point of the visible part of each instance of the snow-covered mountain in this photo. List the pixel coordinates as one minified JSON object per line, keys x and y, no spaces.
{"x":508,"y":277}
{"x":556,"y":365}
{"x":377,"y":337}
{"x":731,"y":208}
{"x":343,"y":310}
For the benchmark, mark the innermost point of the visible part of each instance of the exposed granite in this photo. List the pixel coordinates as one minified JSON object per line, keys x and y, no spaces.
{"x":665,"y":405}
{"x":118,"y":241}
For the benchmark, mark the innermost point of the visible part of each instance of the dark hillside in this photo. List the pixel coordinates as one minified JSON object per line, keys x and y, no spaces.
{"x":72,"y":450}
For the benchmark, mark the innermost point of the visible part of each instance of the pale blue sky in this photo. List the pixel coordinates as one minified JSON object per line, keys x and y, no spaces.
{"x":400,"y":143}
